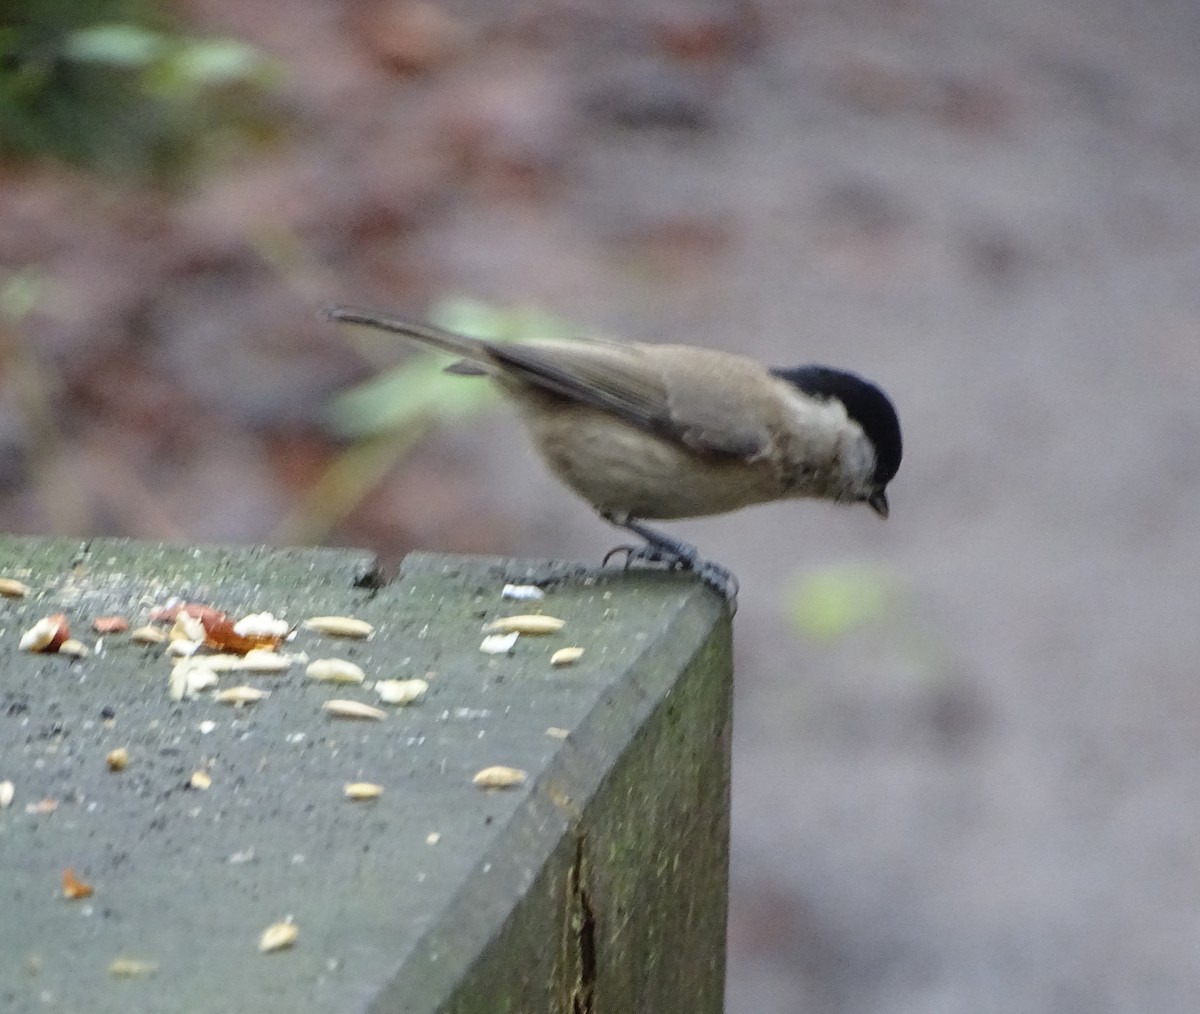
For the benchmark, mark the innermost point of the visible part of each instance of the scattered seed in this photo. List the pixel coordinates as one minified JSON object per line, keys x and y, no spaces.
{"x":117,"y":759}
{"x":131,"y":968}
{"x":353,"y":709}
{"x":363,"y":790}
{"x":166,"y":612}
{"x":187,"y":628}
{"x":529,"y":623}
{"x":554,"y":732}
{"x":499,"y":644}
{"x":206,"y":726}
{"x":188,"y":677}
{"x":565,"y":656}
{"x":179,"y":648}
{"x":7,"y":792}
{"x":264,"y":661}
{"x":11,"y":588}
{"x":523,"y":592}
{"x":261,"y":627}
{"x":147,"y":635}
{"x":197,"y":622}
{"x":499,"y":777}
{"x":74,"y":648}
{"x":433,"y":837}
{"x":73,"y":887}
{"x":42,"y":806}
{"x":110,"y":624}
{"x":201,"y":780}
{"x":334,"y":670}
{"x":47,"y":635}
{"x":219,"y":663}
{"x":242,"y":695}
{"x":339,"y":626}
{"x":401,"y":692}
{"x":278,"y":936}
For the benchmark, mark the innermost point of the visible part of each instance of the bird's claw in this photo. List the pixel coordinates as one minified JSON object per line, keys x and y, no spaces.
{"x":681,"y":557}
{"x":648,"y":554}
{"x":720,"y":579}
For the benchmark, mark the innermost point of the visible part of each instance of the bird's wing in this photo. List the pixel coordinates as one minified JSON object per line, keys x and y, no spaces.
{"x":646,"y":386}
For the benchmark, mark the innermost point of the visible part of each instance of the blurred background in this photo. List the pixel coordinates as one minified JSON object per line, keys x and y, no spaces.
{"x":967,"y":749}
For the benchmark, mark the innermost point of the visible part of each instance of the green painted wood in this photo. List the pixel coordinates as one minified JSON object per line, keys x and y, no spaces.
{"x":600,"y":885}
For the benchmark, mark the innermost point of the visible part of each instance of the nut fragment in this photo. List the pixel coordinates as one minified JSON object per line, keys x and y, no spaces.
{"x":401,"y":691}
{"x":181,"y":648}
{"x":339,"y":626}
{"x":335,"y":670}
{"x":188,"y":677}
{"x":530,"y":623}
{"x":147,"y":635}
{"x":221,"y":662}
{"x":218,"y":630}
{"x":565,"y":656}
{"x":433,"y":837}
{"x":363,"y":790}
{"x":7,"y":792}
{"x":11,"y":588}
{"x":110,"y":624}
{"x":353,"y":709}
{"x":76,"y":649}
{"x":278,"y":936}
{"x":555,"y":732}
{"x":523,"y":592}
{"x":73,"y":887}
{"x":187,"y":627}
{"x":117,"y":759}
{"x":131,"y":968}
{"x":47,"y":635}
{"x":499,"y":777}
{"x":261,"y":627}
{"x":499,"y":644}
{"x":264,"y":661}
{"x":201,"y":780}
{"x":42,"y":807}
{"x":242,"y":695}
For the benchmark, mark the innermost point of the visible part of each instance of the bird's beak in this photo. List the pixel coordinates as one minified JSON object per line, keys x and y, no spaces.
{"x":878,"y":502}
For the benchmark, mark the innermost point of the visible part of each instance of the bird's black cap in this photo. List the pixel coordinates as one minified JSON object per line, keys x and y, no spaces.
{"x":865,"y":403}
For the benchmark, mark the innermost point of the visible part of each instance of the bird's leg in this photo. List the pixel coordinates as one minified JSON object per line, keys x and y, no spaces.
{"x":675,"y":554}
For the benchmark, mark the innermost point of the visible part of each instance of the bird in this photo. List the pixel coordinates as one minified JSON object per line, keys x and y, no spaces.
{"x":652,"y":432}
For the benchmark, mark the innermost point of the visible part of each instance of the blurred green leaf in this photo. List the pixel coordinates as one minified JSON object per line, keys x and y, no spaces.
{"x":21,"y":292}
{"x":420,"y":389}
{"x":498,"y":323}
{"x":117,"y":87}
{"x":129,"y":46}
{"x":828,"y":603}
{"x":386,"y":416}
{"x":220,"y":61}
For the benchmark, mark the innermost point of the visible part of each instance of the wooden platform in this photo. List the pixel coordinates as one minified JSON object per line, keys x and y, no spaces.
{"x":599,"y":885}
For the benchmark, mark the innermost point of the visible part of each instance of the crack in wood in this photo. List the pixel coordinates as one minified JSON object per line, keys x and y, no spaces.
{"x":583,"y":923}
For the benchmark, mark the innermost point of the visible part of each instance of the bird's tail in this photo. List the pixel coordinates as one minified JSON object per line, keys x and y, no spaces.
{"x":427,"y":334}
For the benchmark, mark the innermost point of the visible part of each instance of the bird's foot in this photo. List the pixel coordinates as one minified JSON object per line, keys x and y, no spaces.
{"x":674,"y":554}
{"x":648,"y":554}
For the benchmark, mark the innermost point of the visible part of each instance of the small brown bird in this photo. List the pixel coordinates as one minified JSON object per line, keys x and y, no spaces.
{"x":645,"y":432}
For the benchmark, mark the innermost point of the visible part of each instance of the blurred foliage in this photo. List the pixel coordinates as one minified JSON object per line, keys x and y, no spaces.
{"x":420,"y":389}
{"x":832,"y":601}
{"x":21,"y":292}
{"x":387,"y":416}
{"x":114,"y":86}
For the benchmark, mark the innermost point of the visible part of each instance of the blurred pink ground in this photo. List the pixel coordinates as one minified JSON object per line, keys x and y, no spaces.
{"x":985,"y":803}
